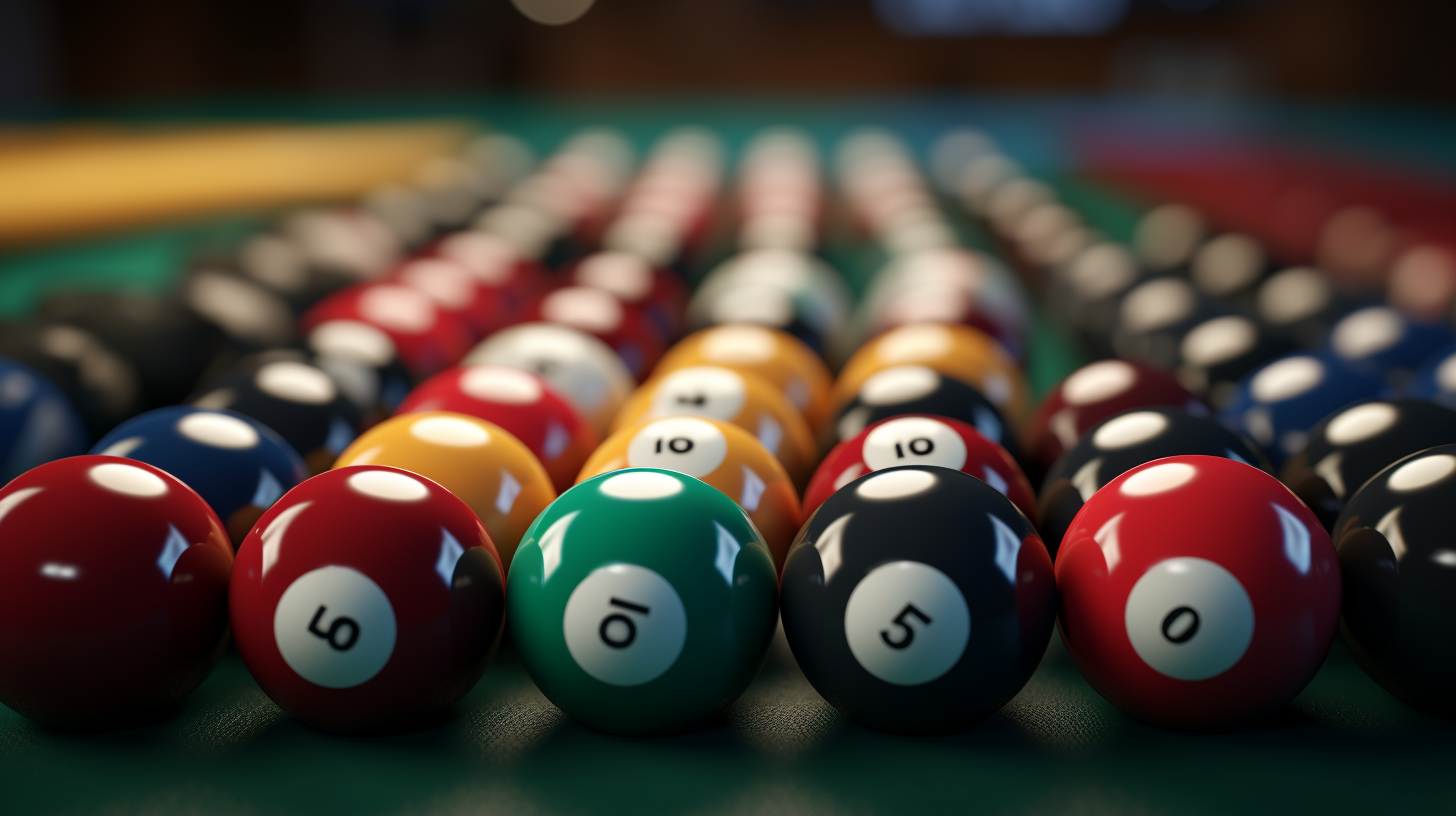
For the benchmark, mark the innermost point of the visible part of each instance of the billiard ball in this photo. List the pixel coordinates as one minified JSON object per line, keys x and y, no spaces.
{"x":1393,"y":539}
{"x":367,"y":600}
{"x":522,"y":403}
{"x":915,"y":389}
{"x":1197,"y":593}
{"x":298,"y":400}
{"x":494,"y":261}
{"x":1124,"y":441}
{"x":788,"y":290}
{"x":251,"y":317}
{"x":1215,"y":354}
{"x":237,"y":464}
{"x":660,"y":293}
{"x":1353,"y":444}
{"x":1167,"y":236}
{"x":1154,"y":316}
{"x":1299,"y":305}
{"x":37,"y":421}
{"x":101,"y":384}
{"x":1277,"y":403}
{"x":623,"y":326}
{"x":743,"y":399}
{"x":113,"y":592}
{"x":959,"y":352}
{"x":427,"y":338}
{"x":1382,"y":341}
{"x":1084,"y":292}
{"x":776,"y":356}
{"x":282,"y":266}
{"x":921,"y":440}
{"x":642,"y":601}
{"x":1230,"y":267}
{"x":168,"y":342}
{"x":494,"y":473}
{"x":363,"y":361}
{"x":584,"y":369}
{"x":456,"y":292}
{"x":719,"y":453}
{"x":1435,"y":379}
{"x":1093,"y":393}
{"x":898,"y":630}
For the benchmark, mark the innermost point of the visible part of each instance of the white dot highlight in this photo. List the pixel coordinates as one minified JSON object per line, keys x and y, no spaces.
{"x":218,"y":431}
{"x":638,"y":485}
{"x":895,"y":484}
{"x":452,"y":432}
{"x":1361,"y":422}
{"x":1286,"y":379}
{"x":1422,"y":473}
{"x":1367,"y":332}
{"x":1158,"y":479}
{"x":296,"y":382}
{"x":388,"y":485}
{"x":1129,"y":429}
{"x":500,"y":384}
{"x":129,"y":480}
{"x":897,"y":385}
{"x":1098,"y":382}
{"x":1218,"y":340}
{"x":740,"y":344}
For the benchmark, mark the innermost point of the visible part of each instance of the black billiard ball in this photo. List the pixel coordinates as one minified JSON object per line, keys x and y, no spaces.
{"x":1122,"y":442}
{"x":1299,"y":305}
{"x":1215,"y":354}
{"x":918,"y":600}
{"x":1399,"y":573}
{"x":914,"y":389}
{"x":167,"y":342}
{"x":365,"y":363}
{"x":1154,"y":316}
{"x":1353,"y":444}
{"x":299,"y":400}
{"x":103,"y":385}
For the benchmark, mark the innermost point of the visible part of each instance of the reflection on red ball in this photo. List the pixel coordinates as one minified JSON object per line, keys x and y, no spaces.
{"x":113,"y":592}
{"x":367,"y":600}
{"x":1197,"y":593}
{"x":921,"y":439}
{"x":427,"y":337}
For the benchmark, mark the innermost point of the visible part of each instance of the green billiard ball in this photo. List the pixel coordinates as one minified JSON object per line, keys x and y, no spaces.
{"x":642,"y":601}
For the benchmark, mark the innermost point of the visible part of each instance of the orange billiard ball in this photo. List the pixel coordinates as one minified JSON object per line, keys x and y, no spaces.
{"x":487,"y":468}
{"x":777,"y":356}
{"x":719,"y":453}
{"x":745,"y":400}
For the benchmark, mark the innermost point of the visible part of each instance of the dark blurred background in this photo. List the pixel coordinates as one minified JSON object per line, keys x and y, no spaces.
{"x":56,"y":56}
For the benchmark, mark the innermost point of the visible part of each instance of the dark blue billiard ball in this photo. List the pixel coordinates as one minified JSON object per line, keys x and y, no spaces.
{"x":1382,"y":341}
{"x":1435,"y":380}
{"x":1279,"y":402}
{"x":37,"y":421}
{"x":236,"y":463}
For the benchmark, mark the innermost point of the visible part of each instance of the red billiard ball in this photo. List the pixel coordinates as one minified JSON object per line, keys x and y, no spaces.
{"x":521,"y":402}
{"x":1093,"y":393}
{"x":1197,"y":593}
{"x":113,"y":592}
{"x":921,"y":439}
{"x":661,"y":293}
{"x":428,"y":338}
{"x":622,"y":325}
{"x":367,"y":600}
{"x":456,"y":292}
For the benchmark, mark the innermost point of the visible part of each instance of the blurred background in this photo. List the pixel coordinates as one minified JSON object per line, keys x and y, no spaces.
{"x":56,"y":56}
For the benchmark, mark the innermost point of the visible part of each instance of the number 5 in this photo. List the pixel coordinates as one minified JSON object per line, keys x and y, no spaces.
{"x":900,"y":622}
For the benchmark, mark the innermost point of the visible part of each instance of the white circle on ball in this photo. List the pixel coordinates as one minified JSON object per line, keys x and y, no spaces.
{"x":500,"y":384}
{"x":1129,"y":429}
{"x":129,"y":480}
{"x":588,"y":309}
{"x":640,"y":485}
{"x":708,"y":391}
{"x":1421,"y":473}
{"x":1286,"y":379}
{"x":1361,"y":422}
{"x":1098,"y":382}
{"x":296,"y":382}
{"x":218,"y":430}
{"x":388,"y":485}
{"x":740,"y":344}
{"x":1367,"y":332}
{"x":907,"y":623}
{"x":684,"y":444}
{"x":625,"y":625}
{"x":896,"y":484}
{"x":451,"y":432}
{"x":335,"y":627}
{"x":1218,"y":340}
{"x":913,"y":441}
{"x":1189,"y":618}
{"x":899,"y":384}
{"x":1158,"y":479}
{"x":352,"y":340}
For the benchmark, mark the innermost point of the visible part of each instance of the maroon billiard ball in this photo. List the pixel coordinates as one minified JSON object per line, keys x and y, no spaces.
{"x":523,"y":403}
{"x":921,"y":439}
{"x":367,"y":600}
{"x":113,"y":592}
{"x":1197,"y":593}
{"x":427,"y":337}
{"x":1093,"y":393}
{"x":659,"y":292}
